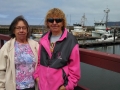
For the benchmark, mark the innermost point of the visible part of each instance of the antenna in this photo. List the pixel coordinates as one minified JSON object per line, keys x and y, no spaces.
{"x":70,"y":19}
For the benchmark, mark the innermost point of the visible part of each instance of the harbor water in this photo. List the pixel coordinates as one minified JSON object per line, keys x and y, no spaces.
{"x":95,"y":78}
{"x":114,"y":49}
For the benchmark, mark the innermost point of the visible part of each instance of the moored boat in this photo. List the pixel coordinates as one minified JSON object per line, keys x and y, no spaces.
{"x":100,"y":29}
{"x":37,"y":35}
{"x":107,"y":37}
{"x":80,"y":29}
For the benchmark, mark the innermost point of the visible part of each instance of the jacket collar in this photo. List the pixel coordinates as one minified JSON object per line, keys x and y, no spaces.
{"x":64,"y":35}
{"x":45,"y":42}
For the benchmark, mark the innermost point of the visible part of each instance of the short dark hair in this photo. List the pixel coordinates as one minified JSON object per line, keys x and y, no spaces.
{"x":15,"y":22}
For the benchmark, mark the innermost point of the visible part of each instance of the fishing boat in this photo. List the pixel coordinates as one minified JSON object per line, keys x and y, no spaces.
{"x":101,"y":26}
{"x":79,"y":28}
{"x":37,"y":35}
{"x":100,"y":29}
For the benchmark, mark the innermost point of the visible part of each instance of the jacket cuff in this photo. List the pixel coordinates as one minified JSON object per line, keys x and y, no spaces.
{"x":36,"y":73}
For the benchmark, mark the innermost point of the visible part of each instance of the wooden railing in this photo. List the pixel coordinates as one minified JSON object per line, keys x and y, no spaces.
{"x":95,"y":58}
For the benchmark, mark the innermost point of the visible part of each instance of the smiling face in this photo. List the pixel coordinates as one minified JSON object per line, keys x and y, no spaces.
{"x":21,"y":31}
{"x":55,"y":20}
{"x":55,"y":24}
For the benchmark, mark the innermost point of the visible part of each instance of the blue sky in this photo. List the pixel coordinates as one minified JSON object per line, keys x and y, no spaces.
{"x":35,"y":10}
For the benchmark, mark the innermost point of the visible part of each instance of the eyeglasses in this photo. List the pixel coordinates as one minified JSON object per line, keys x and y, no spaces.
{"x":19,"y":28}
{"x":57,"y":20}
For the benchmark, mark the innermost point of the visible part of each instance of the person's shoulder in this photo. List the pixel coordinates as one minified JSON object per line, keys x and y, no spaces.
{"x":72,"y":37}
{"x":33,"y":42}
{"x":71,"y":34}
{"x":44,"y":34}
{"x":6,"y":44}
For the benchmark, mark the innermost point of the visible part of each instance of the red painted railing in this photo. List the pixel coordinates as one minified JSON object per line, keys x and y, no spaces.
{"x":95,"y":58}
{"x":101,"y":59}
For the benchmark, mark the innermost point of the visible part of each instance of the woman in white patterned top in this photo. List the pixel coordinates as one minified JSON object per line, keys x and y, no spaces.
{"x":18,"y":58}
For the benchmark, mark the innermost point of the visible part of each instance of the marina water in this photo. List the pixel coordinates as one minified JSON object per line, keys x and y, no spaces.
{"x":95,"y":78}
{"x":114,"y":49}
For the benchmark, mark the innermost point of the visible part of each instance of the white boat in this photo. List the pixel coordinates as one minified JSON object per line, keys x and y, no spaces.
{"x":37,"y":35}
{"x":100,"y":29}
{"x":79,"y":28}
{"x":107,"y":37}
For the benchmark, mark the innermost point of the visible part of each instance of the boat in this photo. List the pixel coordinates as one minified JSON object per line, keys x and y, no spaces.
{"x":106,"y":37}
{"x":37,"y":35}
{"x":100,"y":29}
{"x":78,"y":28}
{"x":101,"y":26}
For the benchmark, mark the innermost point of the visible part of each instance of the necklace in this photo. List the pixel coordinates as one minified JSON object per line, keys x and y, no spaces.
{"x":52,"y":45}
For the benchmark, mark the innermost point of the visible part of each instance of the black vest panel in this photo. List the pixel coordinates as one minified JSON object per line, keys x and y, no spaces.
{"x":61,"y":53}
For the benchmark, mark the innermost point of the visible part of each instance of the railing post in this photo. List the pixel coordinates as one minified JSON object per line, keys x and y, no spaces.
{"x":1,"y":43}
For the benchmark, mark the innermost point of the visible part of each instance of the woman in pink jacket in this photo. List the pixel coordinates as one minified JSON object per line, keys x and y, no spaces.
{"x":59,"y":58}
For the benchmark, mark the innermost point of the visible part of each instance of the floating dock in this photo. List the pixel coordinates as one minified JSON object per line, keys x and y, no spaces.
{"x":86,"y":38}
{"x":98,"y":44}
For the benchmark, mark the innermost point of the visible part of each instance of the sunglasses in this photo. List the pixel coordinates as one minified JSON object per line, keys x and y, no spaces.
{"x":57,"y":20}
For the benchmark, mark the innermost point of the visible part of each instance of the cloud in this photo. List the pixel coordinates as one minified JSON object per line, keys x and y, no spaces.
{"x":3,"y":16}
{"x":35,"y":10}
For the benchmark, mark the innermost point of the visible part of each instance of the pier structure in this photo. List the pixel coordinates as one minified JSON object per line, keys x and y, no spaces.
{"x":84,"y":44}
{"x":42,"y":28}
{"x":34,"y":29}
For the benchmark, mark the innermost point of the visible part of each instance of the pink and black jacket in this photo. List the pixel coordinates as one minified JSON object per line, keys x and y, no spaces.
{"x":62,"y":67}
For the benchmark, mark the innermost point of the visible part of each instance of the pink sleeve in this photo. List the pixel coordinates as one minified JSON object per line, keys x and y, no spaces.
{"x":74,"y":69}
{"x":36,"y":74}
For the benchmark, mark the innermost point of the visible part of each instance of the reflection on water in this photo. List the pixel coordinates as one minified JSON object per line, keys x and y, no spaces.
{"x":115,"y":49}
{"x":95,"y":78}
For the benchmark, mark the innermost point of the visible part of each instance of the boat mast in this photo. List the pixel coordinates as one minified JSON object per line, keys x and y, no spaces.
{"x":83,"y":19}
{"x":107,"y":11}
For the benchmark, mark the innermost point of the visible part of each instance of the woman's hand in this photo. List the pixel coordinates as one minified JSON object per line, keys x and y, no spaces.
{"x":62,"y":88}
{"x":37,"y":80}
